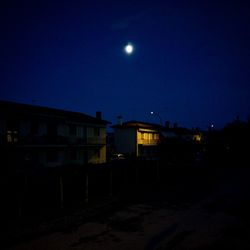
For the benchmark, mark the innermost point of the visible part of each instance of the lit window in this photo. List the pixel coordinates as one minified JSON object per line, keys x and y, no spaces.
{"x":156,"y":136}
{"x":12,"y":136}
{"x":139,"y":135}
{"x":142,"y":136}
{"x":9,"y":137}
{"x":12,"y":131}
{"x":150,"y":136}
{"x":197,"y":138}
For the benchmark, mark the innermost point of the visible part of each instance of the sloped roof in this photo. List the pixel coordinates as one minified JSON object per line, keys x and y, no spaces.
{"x":163,"y":129}
{"x":8,"y":107}
{"x":137,"y":124}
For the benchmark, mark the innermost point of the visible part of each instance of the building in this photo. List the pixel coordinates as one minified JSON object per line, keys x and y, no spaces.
{"x":46,"y":137}
{"x":136,"y":138}
{"x":142,"y":139}
{"x":183,"y":134}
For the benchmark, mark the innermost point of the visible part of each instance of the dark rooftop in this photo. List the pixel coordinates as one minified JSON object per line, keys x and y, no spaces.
{"x":140,"y":124}
{"x":27,"y":109}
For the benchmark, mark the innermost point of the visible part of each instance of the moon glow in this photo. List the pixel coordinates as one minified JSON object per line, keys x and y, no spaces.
{"x":129,"y":49}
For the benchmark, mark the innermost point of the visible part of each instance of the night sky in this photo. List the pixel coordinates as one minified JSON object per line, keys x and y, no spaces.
{"x":190,"y":63}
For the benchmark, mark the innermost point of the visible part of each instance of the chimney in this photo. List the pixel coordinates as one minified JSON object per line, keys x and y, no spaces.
{"x":119,"y":120}
{"x":167,"y":124}
{"x":98,"y":115}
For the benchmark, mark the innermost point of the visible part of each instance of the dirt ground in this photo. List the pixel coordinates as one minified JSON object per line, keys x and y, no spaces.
{"x":218,"y":221}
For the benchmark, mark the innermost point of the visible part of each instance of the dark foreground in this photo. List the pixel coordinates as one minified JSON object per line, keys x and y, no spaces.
{"x":202,"y":209}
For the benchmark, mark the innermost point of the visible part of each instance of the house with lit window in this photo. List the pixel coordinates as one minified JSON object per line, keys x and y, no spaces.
{"x":142,"y":139}
{"x":46,"y":137}
{"x":136,"y":138}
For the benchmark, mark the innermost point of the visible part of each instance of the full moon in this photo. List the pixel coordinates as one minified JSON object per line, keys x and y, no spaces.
{"x":129,"y":48}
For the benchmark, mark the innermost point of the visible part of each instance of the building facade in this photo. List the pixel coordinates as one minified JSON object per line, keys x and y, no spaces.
{"x":142,"y":139}
{"x":46,"y":137}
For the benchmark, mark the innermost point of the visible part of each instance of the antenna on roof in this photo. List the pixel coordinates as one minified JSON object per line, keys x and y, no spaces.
{"x":119,"y":120}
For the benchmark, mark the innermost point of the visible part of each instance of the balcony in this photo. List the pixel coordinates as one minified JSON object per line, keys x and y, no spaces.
{"x":49,"y":140}
{"x":59,"y":140}
{"x":148,"y":141}
{"x":96,"y":140}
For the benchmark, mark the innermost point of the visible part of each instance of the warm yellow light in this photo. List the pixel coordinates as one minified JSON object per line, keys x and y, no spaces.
{"x":197,"y":138}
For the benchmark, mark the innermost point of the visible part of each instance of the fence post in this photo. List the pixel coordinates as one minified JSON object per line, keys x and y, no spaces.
{"x":158,"y":170}
{"x":87,"y":187}
{"x":21,"y":196}
{"x":111,"y":182}
{"x":61,"y":193}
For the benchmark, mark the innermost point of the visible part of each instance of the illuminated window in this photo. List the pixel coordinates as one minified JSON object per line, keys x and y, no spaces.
{"x":150,"y":136}
{"x":142,"y":136}
{"x":197,"y":138}
{"x":12,"y":131}
{"x":12,"y":136}
{"x":9,"y":137}
{"x":139,"y":135}
{"x":156,"y":136}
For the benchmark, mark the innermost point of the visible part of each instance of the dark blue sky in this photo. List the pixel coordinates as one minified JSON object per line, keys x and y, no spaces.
{"x":190,"y":64}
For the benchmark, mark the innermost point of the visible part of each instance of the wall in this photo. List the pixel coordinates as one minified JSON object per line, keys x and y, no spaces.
{"x":125,"y":140}
{"x":35,"y":150}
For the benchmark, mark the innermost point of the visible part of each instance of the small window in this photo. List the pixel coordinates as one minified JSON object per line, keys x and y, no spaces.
{"x":9,"y":136}
{"x":34,"y":128}
{"x":156,"y":136}
{"x":52,"y":129}
{"x":12,"y":136}
{"x":98,"y":153}
{"x":73,"y":155}
{"x":96,"y":131}
{"x":142,"y":136}
{"x":52,"y":156}
{"x":72,"y":129}
{"x":12,"y":127}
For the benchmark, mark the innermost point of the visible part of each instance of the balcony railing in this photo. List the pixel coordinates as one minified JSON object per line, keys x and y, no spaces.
{"x":148,"y":141}
{"x":96,"y":140}
{"x":43,"y":140}
{"x":57,"y":140}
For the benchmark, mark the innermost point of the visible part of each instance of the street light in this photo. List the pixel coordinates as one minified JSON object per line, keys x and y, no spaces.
{"x":158,"y":115}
